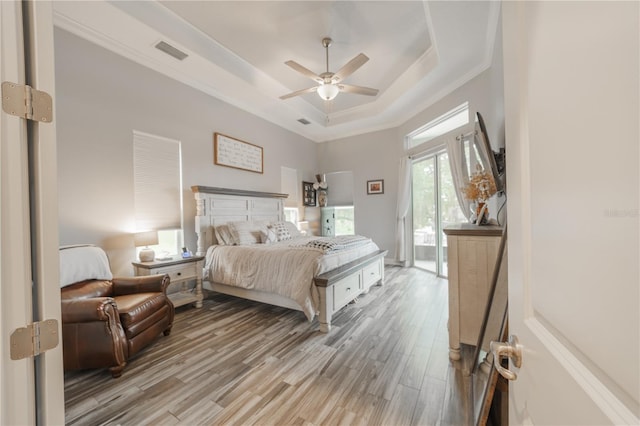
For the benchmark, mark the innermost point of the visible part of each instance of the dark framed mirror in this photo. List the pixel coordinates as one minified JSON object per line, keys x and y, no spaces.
{"x":478,"y":151}
{"x":492,"y":161}
{"x":494,"y":328}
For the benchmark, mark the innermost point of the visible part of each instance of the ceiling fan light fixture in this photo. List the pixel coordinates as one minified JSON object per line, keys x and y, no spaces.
{"x":330,"y":84}
{"x":328,"y":91}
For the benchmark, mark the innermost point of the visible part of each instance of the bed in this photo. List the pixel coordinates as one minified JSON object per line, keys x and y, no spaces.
{"x":315,"y":275}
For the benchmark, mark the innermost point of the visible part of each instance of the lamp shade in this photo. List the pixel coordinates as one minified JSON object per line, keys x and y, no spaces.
{"x":148,"y":238}
{"x":328,"y":91}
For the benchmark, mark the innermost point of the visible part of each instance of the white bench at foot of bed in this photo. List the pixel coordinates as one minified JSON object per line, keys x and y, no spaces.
{"x":340,"y":286}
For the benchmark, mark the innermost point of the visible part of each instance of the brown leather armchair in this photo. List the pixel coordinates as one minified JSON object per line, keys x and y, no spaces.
{"x":106,"y":320}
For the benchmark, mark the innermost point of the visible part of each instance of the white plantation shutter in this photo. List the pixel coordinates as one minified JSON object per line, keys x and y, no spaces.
{"x":157,"y":181}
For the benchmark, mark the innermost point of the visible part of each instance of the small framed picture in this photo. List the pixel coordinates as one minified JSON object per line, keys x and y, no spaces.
{"x":375,"y":186}
{"x":308,"y":194}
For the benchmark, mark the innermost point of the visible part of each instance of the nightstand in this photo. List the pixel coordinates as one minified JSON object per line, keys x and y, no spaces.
{"x":181,"y":270}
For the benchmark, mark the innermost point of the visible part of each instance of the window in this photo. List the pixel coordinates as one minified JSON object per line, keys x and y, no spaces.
{"x":344,"y":220}
{"x":435,"y":206}
{"x":169,"y":242}
{"x":157,"y":168}
{"x":340,"y":199}
{"x":291,"y":215}
{"x":289,"y":184}
{"x":447,"y":122}
{"x":434,"y":199}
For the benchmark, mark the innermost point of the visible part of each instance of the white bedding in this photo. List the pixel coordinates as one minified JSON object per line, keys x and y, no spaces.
{"x":83,"y":262}
{"x":285,"y":268}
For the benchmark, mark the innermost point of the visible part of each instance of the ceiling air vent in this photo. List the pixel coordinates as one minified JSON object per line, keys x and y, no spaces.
{"x":304,"y":121}
{"x":170,"y":50}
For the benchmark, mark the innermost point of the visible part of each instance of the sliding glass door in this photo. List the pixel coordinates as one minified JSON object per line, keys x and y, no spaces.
{"x":435,"y":206}
{"x":424,"y":214}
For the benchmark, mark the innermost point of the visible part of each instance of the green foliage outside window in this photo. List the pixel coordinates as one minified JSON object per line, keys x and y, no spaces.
{"x":345,"y":223}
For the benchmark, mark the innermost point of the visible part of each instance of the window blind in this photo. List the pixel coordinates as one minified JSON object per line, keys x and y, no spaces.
{"x":339,"y":188}
{"x":157,"y":172}
{"x":289,"y":184}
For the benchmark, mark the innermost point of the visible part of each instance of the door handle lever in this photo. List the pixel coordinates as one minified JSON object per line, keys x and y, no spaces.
{"x":509,"y":349}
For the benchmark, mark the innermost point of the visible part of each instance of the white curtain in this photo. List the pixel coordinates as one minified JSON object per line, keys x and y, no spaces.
{"x":404,"y":200}
{"x":460,"y":172}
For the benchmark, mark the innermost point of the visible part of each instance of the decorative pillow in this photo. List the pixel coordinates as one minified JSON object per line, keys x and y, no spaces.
{"x":223,"y":235}
{"x":269,"y":236}
{"x":79,"y":263}
{"x":323,"y":244}
{"x":244,"y":233}
{"x":293,"y":229}
{"x":281,"y":231}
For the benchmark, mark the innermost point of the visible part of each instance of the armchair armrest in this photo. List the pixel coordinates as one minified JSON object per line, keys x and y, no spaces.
{"x":146,"y":284}
{"x":89,"y":310}
{"x":92,"y":335}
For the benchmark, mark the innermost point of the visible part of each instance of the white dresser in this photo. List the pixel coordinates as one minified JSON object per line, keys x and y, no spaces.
{"x":472,"y":251}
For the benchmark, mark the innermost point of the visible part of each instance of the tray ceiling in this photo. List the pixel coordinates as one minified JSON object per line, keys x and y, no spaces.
{"x":419,"y":51}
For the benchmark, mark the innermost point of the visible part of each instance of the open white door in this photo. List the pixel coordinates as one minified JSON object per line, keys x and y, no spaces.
{"x":32,"y":389}
{"x":17,"y":376}
{"x":572,"y":140}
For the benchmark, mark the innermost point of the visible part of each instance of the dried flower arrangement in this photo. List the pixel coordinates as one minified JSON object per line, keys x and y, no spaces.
{"x":321,"y":183}
{"x":481,"y":186}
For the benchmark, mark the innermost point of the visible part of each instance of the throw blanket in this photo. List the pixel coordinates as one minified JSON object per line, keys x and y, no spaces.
{"x":328,"y":244}
{"x":285,"y":268}
{"x":271,"y":268}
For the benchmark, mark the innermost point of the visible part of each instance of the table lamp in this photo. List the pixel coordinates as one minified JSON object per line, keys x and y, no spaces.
{"x":146,"y":239}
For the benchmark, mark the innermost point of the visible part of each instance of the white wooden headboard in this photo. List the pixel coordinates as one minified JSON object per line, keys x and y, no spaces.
{"x":215,"y":206}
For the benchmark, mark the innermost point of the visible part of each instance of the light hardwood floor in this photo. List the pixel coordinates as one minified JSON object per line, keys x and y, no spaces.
{"x":385,"y":362}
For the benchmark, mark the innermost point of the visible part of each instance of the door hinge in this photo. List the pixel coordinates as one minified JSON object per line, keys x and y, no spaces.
{"x":34,"y":339}
{"x":27,"y":102}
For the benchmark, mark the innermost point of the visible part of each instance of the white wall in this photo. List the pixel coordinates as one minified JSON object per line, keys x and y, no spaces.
{"x":101,"y":99}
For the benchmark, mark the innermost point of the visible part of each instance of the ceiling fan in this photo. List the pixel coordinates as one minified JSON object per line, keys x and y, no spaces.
{"x":329,"y":82}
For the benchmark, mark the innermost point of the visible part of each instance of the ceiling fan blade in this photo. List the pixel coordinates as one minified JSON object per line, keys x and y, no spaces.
{"x":299,"y":92}
{"x":350,"y":67}
{"x":304,"y":71}
{"x":358,"y":90}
